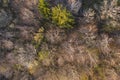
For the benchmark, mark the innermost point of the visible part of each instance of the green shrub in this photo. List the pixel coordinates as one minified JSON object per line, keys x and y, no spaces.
{"x":43,"y":8}
{"x":57,"y":15}
{"x":62,"y":17}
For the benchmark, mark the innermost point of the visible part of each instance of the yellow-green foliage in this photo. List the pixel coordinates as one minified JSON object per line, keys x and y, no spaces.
{"x":58,"y":15}
{"x":43,"y":8}
{"x":38,"y":37}
{"x":18,"y":66}
{"x":43,"y":55}
{"x":32,"y":66}
{"x":62,"y":17}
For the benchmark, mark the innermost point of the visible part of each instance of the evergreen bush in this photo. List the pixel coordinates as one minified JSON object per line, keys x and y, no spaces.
{"x":43,"y":9}
{"x":57,"y":15}
{"x":62,"y":17}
